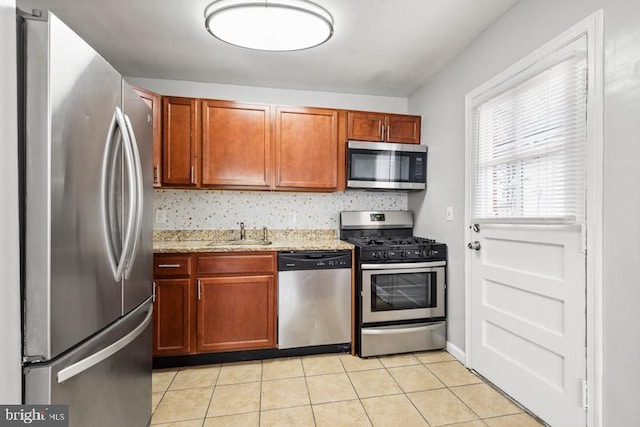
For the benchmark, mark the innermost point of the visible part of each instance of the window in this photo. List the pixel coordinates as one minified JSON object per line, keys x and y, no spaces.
{"x":529,"y":139}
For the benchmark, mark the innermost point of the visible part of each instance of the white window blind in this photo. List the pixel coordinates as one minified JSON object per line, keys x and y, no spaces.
{"x":530,"y":145}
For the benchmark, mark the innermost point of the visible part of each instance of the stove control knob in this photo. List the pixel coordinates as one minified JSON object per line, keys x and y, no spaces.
{"x":430,"y":252}
{"x":385,"y":254}
{"x":424,"y":254}
{"x":404,"y":254}
{"x":375,"y":255}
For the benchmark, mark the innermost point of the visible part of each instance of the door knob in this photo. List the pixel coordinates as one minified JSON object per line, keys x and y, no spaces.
{"x":474,"y":245}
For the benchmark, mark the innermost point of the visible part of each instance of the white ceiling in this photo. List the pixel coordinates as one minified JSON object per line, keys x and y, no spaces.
{"x":379,"y":47}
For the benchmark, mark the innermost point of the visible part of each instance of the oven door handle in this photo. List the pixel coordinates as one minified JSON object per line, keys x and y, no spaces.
{"x":408,"y":330}
{"x":405,"y":265}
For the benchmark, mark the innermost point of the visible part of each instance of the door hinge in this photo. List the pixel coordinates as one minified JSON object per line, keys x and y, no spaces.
{"x":585,"y":390}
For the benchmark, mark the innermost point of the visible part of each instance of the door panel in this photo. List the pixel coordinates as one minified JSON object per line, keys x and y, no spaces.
{"x":405,"y":129}
{"x":137,"y":285}
{"x":528,"y":316}
{"x":70,"y":289}
{"x":236,"y":313}
{"x":115,"y":391}
{"x":306,"y":133}
{"x":236,"y":144}
{"x":172,"y":317}
{"x":180,"y":141}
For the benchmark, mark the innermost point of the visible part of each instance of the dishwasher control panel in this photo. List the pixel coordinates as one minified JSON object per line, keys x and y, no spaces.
{"x":313,"y":260}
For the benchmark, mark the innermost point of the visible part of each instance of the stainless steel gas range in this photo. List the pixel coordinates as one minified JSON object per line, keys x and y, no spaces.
{"x":400,"y":281}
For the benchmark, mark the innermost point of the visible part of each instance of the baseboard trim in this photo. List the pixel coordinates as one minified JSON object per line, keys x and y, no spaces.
{"x":456,"y":352}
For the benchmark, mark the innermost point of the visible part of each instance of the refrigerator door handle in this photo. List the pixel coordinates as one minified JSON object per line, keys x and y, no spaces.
{"x":138,"y":185}
{"x":86,"y":363}
{"x":131,"y":217}
{"x":107,"y":170}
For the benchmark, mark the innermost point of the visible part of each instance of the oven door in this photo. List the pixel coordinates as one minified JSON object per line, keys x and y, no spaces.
{"x":402,"y":291}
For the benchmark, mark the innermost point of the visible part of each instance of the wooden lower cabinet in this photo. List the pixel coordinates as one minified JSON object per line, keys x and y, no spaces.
{"x":214,"y":302}
{"x":172,"y":317}
{"x":236,"y":313}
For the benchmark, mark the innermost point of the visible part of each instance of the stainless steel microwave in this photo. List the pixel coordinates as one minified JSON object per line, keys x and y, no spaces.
{"x":386,"y":166}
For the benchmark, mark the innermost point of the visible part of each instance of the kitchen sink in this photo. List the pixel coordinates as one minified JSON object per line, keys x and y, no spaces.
{"x":240,"y":242}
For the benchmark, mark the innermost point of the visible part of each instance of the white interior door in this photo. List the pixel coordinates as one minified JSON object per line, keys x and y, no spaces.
{"x":526,"y":265}
{"x":528,"y":316}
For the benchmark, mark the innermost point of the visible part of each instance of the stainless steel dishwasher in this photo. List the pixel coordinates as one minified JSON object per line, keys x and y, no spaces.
{"x":314,"y":298}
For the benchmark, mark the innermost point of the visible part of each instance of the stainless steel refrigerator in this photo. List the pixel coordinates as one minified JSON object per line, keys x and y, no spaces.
{"x":86,"y":231}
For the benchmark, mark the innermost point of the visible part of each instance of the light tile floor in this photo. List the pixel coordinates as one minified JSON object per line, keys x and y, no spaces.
{"x":419,"y":389}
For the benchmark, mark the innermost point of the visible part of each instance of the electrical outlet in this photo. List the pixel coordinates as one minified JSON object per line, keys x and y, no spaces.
{"x":449,"y":213}
{"x":161,"y":216}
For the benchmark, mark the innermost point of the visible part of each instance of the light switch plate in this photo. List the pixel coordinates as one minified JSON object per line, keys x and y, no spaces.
{"x":449,"y":213}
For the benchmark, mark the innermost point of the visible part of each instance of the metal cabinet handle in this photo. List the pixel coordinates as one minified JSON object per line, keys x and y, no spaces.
{"x":193,"y":174}
{"x":169,"y":265}
{"x":383,"y":129}
{"x":156,"y":177}
{"x":199,"y":290}
{"x":388,"y":132}
{"x":153,"y":292}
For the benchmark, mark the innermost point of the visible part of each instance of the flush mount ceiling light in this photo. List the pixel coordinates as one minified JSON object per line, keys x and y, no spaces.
{"x":279,"y":25}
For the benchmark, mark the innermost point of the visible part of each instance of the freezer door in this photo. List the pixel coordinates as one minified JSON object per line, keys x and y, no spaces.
{"x":71,"y":94}
{"x":106,"y":381}
{"x":138,"y":271}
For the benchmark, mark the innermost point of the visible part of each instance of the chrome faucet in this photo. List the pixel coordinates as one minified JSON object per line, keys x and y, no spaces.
{"x":243,"y":233}
{"x":264,"y":234}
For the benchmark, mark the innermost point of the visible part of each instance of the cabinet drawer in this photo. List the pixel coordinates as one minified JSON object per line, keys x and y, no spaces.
{"x":237,"y":263}
{"x":171,"y":265}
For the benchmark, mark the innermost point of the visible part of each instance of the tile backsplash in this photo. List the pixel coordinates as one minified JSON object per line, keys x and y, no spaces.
{"x":214,"y":209}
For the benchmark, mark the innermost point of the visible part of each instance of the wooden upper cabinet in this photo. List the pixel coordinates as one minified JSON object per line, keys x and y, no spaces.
{"x":153,"y":101}
{"x":306,"y":143}
{"x":180,"y":141}
{"x":405,"y":129}
{"x":236,"y":144}
{"x":365,"y":126}
{"x":380,"y":127}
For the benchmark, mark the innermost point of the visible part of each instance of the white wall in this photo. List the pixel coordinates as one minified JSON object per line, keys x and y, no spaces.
{"x":266,"y":95}
{"x":528,"y":25}
{"x":10,"y":376}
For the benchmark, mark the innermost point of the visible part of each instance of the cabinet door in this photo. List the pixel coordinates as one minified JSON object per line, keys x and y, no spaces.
{"x":405,"y":129}
{"x":171,"y":317}
{"x":236,"y":144}
{"x":363,"y":126}
{"x":306,"y":148}
{"x":180,"y":141}
{"x":236,"y":313}
{"x":153,"y":101}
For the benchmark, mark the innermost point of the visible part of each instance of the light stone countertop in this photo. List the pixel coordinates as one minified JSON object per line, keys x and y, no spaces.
{"x":184,"y":241}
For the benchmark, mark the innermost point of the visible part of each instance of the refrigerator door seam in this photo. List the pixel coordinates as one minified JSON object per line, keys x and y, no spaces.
{"x":84,"y":364}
